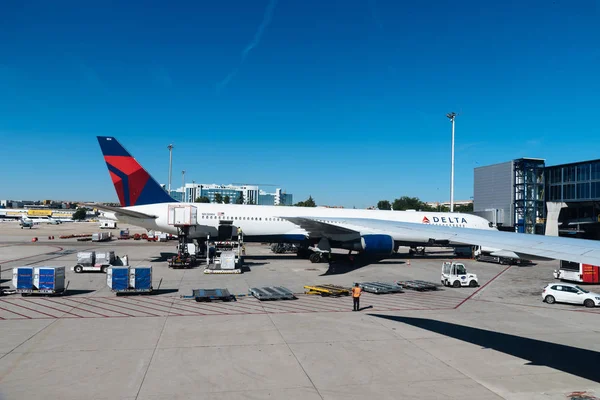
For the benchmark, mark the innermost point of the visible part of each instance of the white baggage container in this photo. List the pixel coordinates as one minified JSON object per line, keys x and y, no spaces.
{"x":228,"y":260}
{"x":182,"y":215}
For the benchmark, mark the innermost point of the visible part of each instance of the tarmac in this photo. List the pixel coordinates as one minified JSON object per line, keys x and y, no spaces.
{"x":495,"y":341}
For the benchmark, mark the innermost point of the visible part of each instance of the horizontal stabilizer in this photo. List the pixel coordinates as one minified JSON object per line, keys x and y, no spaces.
{"x":121,"y":211}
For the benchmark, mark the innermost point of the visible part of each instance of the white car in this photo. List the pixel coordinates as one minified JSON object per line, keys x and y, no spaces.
{"x":569,"y":293}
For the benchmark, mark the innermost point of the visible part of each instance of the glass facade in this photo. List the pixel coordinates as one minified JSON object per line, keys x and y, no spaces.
{"x":574,"y":182}
{"x":529,"y":187}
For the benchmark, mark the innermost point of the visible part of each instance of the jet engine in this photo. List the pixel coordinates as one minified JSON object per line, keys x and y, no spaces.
{"x":376,"y":244}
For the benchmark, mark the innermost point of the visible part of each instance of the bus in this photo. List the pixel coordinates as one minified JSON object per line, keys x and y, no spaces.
{"x":577,"y":272}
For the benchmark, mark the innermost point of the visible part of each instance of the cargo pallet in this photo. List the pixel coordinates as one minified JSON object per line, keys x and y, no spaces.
{"x":272,"y":293}
{"x":201,"y":295}
{"x":131,"y":290}
{"x":420,"y":286}
{"x":327,"y":290}
{"x":215,"y":269}
{"x":46,"y":292}
{"x":380,"y":287}
{"x":177,"y":262}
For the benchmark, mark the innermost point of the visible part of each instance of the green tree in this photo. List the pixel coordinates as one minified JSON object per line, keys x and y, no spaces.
{"x":464,"y":208}
{"x":80,"y":214}
{"x":306,"y":203}
{"x":218,"y":198}
{"x":384,"y":205}
{"x":409,"y":203}
{"x":239,"y":200}
{"x":226,"y":199}
{"x":202,"y":199}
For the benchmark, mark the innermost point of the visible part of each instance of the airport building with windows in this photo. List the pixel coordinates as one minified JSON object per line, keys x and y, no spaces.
{"x":246,"y":194}
{"x":524,"y":195}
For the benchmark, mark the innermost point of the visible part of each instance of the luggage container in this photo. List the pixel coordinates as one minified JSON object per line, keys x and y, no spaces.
{"x":39,"y":280}
{"x":130,"y":279}
{"x":227,"y":260}
{"x":94,"y":261}
{"x":49,"y":279}
{"x":23,"y":278}
{"x":101,"y":236}
{"x":117,"y":279}
{"x":140,"y":278}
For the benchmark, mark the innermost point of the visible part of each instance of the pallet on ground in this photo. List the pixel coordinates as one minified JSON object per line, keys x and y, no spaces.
{"x":272,"y":293}
{"x":380,"y":287}
{"x":419,"y":285}
{"x":222,"y":271}
{"x":327,"y":290}
{"x":201,"y":295}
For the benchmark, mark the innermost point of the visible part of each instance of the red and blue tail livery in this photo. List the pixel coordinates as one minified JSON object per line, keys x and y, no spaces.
{"x":134,"y":186}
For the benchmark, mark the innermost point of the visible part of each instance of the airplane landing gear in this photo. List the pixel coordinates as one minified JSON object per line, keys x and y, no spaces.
{"x":417,"y":250}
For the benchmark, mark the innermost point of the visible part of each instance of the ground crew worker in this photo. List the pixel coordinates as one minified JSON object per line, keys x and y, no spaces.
{"x":356,"y":297}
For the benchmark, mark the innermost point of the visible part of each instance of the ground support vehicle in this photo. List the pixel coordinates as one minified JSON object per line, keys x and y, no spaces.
{"x":96,"y":261}
{"x":456,"y":275}
{"x":577,"y":272}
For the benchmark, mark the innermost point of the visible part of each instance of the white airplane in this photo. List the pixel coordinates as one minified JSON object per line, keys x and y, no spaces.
{"x":378,"y":233}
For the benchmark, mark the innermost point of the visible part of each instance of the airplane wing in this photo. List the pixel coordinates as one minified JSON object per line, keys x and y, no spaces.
{"x":122,"y":211}
{"x":554,"y":247}
{"x":317,"y":227}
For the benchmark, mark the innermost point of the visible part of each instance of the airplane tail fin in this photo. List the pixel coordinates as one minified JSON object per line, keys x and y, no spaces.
{"x":133,"y":183}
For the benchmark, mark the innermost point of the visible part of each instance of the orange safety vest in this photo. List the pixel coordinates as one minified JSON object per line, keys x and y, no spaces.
{"x":356,"y":291}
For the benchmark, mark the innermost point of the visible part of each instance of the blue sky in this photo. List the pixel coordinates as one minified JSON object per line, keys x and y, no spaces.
{"x":341,"y":100}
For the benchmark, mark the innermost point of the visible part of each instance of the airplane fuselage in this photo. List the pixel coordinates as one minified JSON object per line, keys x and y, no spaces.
{"x":268,"y":223}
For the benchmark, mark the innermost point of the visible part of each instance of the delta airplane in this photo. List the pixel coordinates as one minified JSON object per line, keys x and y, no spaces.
{"x":378,"y":233}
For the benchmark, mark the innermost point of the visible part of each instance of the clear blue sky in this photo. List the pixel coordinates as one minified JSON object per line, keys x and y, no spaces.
{"x":342,"y":100}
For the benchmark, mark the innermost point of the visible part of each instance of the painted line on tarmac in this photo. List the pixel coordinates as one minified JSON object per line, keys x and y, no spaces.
{"x":35,"y":255}
{"x":483,"y":287}
{"x":14,"y":312}
{"x":53,"y":308}
{"x":30,"y":309}
{"x":90,"y":304}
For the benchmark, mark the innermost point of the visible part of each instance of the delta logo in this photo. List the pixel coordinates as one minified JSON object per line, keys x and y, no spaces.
{"x":445,"y":220}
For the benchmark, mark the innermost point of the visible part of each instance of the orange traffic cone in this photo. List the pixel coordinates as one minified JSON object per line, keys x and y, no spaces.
{"x":407,"y":262}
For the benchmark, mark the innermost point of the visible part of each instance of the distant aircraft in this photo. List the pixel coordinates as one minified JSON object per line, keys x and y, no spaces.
{"x":26,"y":222}
{"x":377,"y":233}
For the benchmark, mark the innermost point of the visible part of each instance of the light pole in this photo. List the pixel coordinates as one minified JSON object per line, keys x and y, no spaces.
{"x":452,"y":116}
{"x":170,"y":147}
{"x":183,"y":184}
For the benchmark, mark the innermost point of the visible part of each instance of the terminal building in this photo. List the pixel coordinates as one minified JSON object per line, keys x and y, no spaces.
{"x":523,"y":195}
{"x":246,"y":194}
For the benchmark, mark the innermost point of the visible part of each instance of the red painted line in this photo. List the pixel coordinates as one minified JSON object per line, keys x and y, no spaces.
{"x":178,"y":306}
{"x":35,"y":255}
{"x":102,"y":308}
{"x":481,"y":288}
{"x":291,"y":305}
{"x":250,"y":308}
{"x":31,"y":309}
{"x":14,"y":312}
{"x":132,"y":303}
{"x":168,"y":307}
{"x":52,"y":308}
{"x":126,"y":308}
{"x":314,"y":305}
{"x":84,"y":310}
{"x":205,"y":305}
